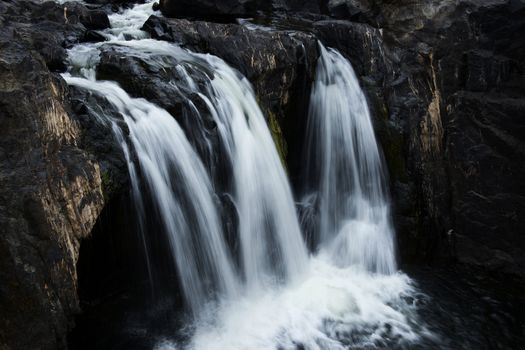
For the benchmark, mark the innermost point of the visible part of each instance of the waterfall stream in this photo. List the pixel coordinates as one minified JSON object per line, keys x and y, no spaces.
{"x":278,"y":295}
{"x":181,"y":190}
{"x":343,"y":166}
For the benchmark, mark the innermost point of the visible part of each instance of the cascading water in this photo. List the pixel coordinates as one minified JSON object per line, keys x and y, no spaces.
{"x":181,"y":190}
{"x":324,"y":301}
{"x":344,"y":168}
{"x":269,"y":230}
{"x":271,"y":243}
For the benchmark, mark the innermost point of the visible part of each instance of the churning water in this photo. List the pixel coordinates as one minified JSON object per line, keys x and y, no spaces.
{"x":347,"y":293}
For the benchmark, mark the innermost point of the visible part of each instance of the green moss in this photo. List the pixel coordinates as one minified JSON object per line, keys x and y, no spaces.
{"x":278,"y":137}
{"x":107,"y":183}
{"x":276,"y":131}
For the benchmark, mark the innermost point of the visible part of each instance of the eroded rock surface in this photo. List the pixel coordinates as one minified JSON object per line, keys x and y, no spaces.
{"x":51,"y":190}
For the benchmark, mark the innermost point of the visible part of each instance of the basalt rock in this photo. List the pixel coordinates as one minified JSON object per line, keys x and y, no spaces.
{"x":52,"y":191}
{"x":211,"y":9}
{"x":350,"y":9}
{"x":229,"y":10}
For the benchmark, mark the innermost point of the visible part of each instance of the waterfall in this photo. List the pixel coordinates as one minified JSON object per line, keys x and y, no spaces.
{"x":269,"y":231}
{"x":278,"y":296}
{"x":181,"y":191}
{"x":272,"y":248}
{"x":344,"y":168}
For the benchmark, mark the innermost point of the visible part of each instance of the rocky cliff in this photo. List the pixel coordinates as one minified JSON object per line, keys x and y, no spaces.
{"x":51,"y":191}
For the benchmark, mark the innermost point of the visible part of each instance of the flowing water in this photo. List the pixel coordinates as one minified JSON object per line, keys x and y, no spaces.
{"x":279,"y":296}
{"x":344,"y":170}
{"x":181,"y":190}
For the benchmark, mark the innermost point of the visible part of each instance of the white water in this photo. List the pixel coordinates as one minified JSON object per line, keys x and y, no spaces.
{"x":344,"y":167}
{"x":181,"y":191}
{"x":271,"y":242}
{"x":282,"y":298}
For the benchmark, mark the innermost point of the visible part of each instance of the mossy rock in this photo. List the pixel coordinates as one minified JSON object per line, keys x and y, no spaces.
{"x":276,"y":131}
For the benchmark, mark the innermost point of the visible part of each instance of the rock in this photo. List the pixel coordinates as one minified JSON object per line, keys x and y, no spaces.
{"x":229,"y":10}
{"x":91,"y":19}
{"x":44,"y":27}
{"x":116,"y":3}
{"x":298,"y":6}
{"x":92,"y":37}
{"x":52,"y":192}
{"x":349,"y":9}
{"x":279,"y":64}
{"x":486,"y":165}
{"x":211,"y":9}
{"x":154,"y":80}
{"x":361,"y":43}
{"x":485,"y":71}
{"x":50,"y":198}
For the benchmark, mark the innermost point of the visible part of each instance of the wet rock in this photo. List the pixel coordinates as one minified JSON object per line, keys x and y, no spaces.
{"x":211,"y":9}
{"x":361,"y":43}
{"x":162,"y":80}
{"x":279,"y":64}
{"x":116,"y":3}
{"x":229,"y":10}
{"x":48,"y":28}
{"x":92,"y":36}
{"x":51,"y":193}
{"x":349,"y":9}
{"x":92,"y":19}
{"x":50,"y":198}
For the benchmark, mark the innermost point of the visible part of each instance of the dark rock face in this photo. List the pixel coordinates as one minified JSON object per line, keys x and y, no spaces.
{"x":486,"y":165}
{"x":51,"y":189}
{"x":349,"y":9}
{"x":211,"y":9}
{"x":230,"y":9}
{"x":50,"y":198}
